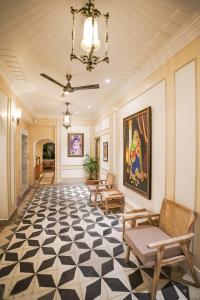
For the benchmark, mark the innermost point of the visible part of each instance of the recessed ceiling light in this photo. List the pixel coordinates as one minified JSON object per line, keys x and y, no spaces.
{"x":76,"y":112}
{"x":107,"y":80}
{"x":89,"y":107}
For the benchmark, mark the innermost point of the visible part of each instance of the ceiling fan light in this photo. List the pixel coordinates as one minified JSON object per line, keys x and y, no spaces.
{"x":90,"y":35}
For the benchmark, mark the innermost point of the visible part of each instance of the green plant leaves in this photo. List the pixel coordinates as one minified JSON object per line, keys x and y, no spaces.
{"x":91,"y":166}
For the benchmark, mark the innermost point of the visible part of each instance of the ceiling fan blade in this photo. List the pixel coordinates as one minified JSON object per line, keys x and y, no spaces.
{"x":51,"y":79}
{"x":85,"y":87}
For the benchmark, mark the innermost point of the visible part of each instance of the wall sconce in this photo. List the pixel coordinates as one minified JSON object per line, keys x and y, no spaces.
{"x":17,"y":115}
{"x":35,"y":121}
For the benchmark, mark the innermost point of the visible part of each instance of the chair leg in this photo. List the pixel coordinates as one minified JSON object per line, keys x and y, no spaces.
{"x":190,"y":265}
{"x":156,"y":275}
{"x":106,"y":207}
{"x":155,"y":281}
{"x":123,"y":230}
{"x":95,"y":200}
{"x":128,"y":253}
{"x":133,"y":223}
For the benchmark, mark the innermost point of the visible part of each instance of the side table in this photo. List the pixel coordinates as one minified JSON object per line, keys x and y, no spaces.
{"x":112,"y":199}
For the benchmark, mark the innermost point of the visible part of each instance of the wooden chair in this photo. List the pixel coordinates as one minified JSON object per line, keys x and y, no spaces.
{"x":96,"y":187}
{"x":161,"y":245}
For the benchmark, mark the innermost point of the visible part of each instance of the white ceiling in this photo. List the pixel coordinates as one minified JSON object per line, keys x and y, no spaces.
{"x":35,"y":37}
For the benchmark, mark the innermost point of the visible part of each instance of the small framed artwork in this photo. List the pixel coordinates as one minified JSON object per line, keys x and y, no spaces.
{"x":137,"y":152}
{"x":105,"y":151}
{"x":75,"y":144}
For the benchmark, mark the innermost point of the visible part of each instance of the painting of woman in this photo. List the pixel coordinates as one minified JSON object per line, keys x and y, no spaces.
{"x":137,"y":152}
{"x":75,"y":145}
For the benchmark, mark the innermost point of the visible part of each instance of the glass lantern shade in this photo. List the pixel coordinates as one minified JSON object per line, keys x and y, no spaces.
{"x":67,"y":121}
{"x":90,"y":35}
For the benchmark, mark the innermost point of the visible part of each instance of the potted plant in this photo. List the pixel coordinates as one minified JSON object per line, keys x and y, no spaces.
{"x":91,"y":166}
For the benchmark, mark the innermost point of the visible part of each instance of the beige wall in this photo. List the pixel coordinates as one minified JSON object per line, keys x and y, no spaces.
{"x":167,"y":72}
{"x":43,"y":129}
{"x":24,"y":124}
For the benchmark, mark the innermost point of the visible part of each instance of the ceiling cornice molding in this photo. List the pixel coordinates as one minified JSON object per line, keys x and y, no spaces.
{"x":48,"y":116}
{"x":60,"y":117}
{"x":177,"y":42}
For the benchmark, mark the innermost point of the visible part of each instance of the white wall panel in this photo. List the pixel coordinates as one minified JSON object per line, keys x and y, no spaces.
{"x":3,"y":156}
{"x":154,"y":97}
{"x":97,"y":128}
{"x":73,"y":161}
{"x":73,"y":173}
{"x":105,"y":123}
{"x":185,"y":135}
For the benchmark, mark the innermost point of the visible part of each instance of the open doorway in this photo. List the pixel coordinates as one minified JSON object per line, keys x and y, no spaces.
{"x":44,"y":162}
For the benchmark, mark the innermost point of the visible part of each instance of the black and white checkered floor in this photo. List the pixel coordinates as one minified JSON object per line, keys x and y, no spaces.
{"x":65,"y":249}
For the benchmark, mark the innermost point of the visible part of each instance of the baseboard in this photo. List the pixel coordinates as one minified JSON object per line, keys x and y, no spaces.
{"x":19,"y":200}
{"x":72,"y":181}
{"x":5,"y":222}
{"x":21,"y":197}
{"x":131,"y":204}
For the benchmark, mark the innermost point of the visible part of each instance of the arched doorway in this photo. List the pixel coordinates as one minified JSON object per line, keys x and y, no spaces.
{"x":44,"y":162}
{"x":48,"y":157}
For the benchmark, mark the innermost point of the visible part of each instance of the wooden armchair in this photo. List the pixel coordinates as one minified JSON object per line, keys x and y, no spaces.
{"x":95,"y":187}
{"x":161,"y":245}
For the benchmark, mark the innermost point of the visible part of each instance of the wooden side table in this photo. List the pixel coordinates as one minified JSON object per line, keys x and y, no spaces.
{"x":112,"y":199}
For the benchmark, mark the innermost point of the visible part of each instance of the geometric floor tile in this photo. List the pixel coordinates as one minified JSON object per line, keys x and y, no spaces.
{"x":63,"y":248}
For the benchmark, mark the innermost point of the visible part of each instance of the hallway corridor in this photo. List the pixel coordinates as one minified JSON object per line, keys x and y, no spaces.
{"x":65,"y":249}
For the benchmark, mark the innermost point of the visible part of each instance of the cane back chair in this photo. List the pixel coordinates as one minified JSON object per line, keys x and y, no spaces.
{"x":164,"y":244}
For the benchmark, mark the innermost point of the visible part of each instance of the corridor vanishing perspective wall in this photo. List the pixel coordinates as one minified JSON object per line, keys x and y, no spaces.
{"x":173,"y":92}
{"x":155,"y":98}
{"x":10,"y":154}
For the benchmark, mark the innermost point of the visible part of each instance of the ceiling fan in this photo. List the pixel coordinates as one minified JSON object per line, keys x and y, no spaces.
{"x":68,"y":88}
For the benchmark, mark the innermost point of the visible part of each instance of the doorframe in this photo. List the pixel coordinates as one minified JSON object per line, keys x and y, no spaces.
{"x":98,"y":145}
{"x":26,"y":133}
{"x":50,"y":140}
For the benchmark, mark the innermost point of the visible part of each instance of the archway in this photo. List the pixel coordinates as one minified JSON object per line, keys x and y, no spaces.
{"x":48,"y":154}
{"x":44,"y":161}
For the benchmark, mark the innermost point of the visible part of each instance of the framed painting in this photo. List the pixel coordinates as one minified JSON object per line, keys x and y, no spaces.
{"x":137,"y":152}
{"x":75,"y":144}
{"x":105,"y":151}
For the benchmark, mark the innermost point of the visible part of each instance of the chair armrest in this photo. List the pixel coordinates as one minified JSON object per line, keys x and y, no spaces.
{"x":137,"y":217}
{"x":100,"y":185}
{"x":136,"y":210}
{"x":93,"y":181}
{"x":171,"y":241}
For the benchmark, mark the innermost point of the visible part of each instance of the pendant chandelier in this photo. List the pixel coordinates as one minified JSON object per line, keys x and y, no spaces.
{"x":90,"y":42}
{"x":67,"y":117}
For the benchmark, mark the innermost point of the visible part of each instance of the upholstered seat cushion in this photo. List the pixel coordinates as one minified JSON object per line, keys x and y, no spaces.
{"x":138,"y":238}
